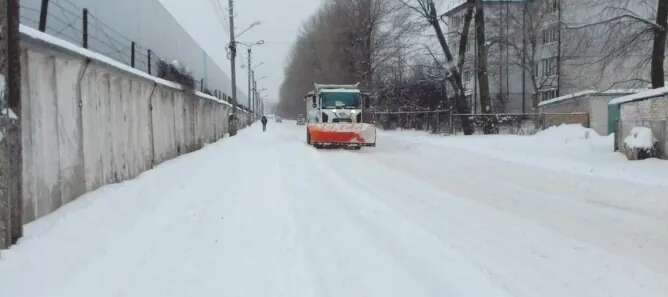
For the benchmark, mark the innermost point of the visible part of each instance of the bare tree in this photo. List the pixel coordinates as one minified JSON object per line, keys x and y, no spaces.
{"x":345,"y":41}
{"x":483,"y":76}
{"x":659,"y":47}
{"x":427,"y":10}
{"x":529,"y":39}
{"x":464,"y":35}
{"x":629,"y":39}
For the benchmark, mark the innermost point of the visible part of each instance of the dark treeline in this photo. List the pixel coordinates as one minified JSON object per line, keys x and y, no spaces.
{"x":365,"y":41}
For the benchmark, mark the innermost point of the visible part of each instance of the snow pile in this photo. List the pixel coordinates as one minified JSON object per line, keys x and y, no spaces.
{"x":569,"y":149}
{"x":566,"y":134}
{"x":640,"y":138}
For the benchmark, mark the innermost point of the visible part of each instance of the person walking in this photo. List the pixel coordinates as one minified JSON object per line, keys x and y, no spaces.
{"x":264,"y":123}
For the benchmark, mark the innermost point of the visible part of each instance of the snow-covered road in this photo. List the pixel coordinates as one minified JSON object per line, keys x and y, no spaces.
{"x":266,"y":215}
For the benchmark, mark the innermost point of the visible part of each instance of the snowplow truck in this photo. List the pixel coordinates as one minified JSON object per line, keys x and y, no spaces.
{"x":335,"y":117}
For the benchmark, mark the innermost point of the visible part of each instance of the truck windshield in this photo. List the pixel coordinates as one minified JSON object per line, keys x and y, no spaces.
{"x":340,"y":100}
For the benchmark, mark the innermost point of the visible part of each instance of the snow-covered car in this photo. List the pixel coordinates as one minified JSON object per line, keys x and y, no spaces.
{"x":279,"y":119}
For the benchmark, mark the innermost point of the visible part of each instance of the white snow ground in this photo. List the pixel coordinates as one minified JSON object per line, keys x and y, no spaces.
{"x":556,"y":214}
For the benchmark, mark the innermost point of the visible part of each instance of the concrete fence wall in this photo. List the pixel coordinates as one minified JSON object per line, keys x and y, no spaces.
{"x":87,"y":123}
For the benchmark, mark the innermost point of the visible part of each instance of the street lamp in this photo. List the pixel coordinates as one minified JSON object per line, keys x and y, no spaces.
{"x":254,"y":24}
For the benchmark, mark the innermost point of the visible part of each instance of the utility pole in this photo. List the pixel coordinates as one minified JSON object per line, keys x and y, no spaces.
{"x":233,"y":57}
{"x":559,"y":49}
{"x":254,"y":89}
{"x":524,"y":56}
{"x":250,"y":89}
{"x":11,"y":223}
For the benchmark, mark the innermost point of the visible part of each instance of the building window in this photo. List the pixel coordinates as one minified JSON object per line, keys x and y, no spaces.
{"x":456,"y":20}
{"x":549,"y":66}
{"x":467,"y":76}
{"x":467,"y":79}
{"x":552,"y":5}
{"x":545,"y":95}
{"x":551,"y":35}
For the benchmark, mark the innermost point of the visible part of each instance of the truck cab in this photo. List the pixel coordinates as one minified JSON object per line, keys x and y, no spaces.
{"x":335,"y":116}
{"x":336,"y":104}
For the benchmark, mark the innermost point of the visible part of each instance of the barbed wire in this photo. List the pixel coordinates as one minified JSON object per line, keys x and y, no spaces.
{"x":65,"y":20}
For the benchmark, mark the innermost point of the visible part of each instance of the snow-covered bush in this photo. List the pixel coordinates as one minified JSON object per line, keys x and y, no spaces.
{"x":640,"y":144}
{"x":176,"y":72}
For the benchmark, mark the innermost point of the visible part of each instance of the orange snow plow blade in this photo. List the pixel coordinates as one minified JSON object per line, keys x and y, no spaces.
{"x":342,"y":134}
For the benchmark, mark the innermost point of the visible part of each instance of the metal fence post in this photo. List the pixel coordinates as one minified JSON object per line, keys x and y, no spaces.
{"x":148,"y":63}
{"x":664,"y":140}
{"x":620,"y":136}
{"x":85,"y":28}
{"x":452,"y":125}
{"x":132,"y":54}
{"x":43,"y":13}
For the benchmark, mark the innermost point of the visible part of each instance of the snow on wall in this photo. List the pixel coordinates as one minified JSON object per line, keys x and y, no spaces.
{"x":641,"y":95}
{"x":87,"y":123}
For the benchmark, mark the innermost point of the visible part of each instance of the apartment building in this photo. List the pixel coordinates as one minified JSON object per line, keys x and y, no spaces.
{"x":540,"y":49}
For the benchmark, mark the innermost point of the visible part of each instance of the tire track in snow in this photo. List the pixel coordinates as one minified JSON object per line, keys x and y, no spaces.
{"x":402,"y":241}
{"x":626,"y":277}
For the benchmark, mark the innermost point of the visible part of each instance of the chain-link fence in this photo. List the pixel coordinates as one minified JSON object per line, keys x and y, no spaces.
{"x":445,"y":122}
{"x":433,"y":121}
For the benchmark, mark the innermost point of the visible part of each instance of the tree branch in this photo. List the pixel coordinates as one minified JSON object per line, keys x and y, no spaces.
{"x":616,"y":19}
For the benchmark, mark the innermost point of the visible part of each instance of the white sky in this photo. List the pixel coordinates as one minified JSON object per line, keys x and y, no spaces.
{"x":281,"y":21}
